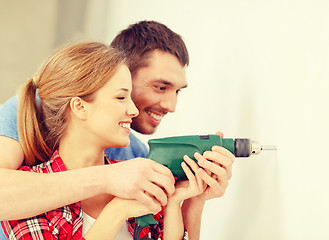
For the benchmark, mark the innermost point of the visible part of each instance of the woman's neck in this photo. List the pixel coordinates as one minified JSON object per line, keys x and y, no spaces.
{"x":77,"y":152}
{"x":78,"y":149}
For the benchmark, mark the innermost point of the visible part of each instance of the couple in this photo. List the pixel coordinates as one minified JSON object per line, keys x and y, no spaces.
{"x":85,"y":107}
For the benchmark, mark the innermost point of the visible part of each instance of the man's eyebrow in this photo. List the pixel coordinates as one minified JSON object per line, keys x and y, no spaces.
{"x":165,"y":82}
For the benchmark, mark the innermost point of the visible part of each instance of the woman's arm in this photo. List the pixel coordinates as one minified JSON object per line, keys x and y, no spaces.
{"x":108,"y":222}
{"x":113,"y":216}
{"x":192,"y":212}
{"x":173,"y":226}
{"x":215,"y":172}
{"x":173,"y":218}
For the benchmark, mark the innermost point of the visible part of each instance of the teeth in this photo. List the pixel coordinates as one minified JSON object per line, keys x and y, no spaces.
{"x":155,"y":116}
{"x":125,"y":125}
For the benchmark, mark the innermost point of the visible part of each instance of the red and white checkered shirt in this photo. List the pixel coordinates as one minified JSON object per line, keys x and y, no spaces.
{"x":65,"y":222}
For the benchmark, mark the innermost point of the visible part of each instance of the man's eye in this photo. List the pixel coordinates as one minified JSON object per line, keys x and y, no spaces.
{"x":161,"y":88}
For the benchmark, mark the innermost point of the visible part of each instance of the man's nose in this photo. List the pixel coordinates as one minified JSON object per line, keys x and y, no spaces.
{"x":169,"y":102}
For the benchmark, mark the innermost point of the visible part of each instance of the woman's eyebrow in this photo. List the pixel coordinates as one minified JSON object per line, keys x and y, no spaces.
{"x":123,"y":89}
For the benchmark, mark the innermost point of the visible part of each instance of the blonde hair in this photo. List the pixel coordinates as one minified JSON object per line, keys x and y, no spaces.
{"x":76,"y":71}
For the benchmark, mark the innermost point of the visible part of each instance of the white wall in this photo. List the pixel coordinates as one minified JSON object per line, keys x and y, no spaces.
{"x":31,"y":30}
{"x":26,"y":39}
{"x":259,"y":69}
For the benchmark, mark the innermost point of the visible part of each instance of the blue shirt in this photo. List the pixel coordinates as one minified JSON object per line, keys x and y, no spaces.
{"x":8,"y":119}
{"x":8,"y":128}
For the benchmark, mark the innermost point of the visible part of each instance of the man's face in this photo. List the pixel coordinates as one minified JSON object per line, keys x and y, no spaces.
{"x":155,"y":90}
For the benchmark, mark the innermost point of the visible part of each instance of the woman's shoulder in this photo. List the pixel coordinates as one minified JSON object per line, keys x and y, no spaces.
{"x":54,"y":164}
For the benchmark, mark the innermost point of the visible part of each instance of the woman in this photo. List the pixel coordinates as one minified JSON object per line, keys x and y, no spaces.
{"x":84,"y":108}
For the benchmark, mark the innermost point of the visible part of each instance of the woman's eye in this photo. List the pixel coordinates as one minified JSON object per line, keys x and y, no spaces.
{"x":121,"y":98}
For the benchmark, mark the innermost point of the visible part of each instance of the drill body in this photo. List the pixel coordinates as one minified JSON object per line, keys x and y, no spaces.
{"x":170,"y":151}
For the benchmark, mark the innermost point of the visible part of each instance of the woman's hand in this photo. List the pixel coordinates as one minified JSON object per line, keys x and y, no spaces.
{"x":191,"y":187}
{"x":215,"y":171}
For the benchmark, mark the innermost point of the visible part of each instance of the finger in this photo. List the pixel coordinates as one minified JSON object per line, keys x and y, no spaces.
{"x":223,"y":151}
{"x":148,"y":201}
{"x":221,"y":173}
{"x":201,"y":184}
{"x":217,"y":187}
{"x":220,"y":134}
{"x":199,"y":158}
{"x":194,"y":166}
{"x":155,"y":192}
{"x":220,"y":159}
{"x":211,"y":182}
{"x":196,"y":184}
{"x":190,"y":176}
{"x":163,"y":170}
{"x":163,"y":181}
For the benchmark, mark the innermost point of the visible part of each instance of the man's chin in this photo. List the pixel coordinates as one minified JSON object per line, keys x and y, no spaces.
{"x":147,"y":130}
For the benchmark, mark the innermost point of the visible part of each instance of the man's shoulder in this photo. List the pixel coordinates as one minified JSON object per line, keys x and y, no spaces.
{"x":135,"y":142}
{"x":8,"y":119}
{"x":10,"y":106}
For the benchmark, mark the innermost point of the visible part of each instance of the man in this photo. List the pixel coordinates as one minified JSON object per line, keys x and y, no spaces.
{"x":158,"y":58}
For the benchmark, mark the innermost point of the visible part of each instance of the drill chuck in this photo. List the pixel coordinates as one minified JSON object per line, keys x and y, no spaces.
{"x":244,"y":147}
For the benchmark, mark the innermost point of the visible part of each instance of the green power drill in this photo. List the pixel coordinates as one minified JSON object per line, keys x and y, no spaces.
{"x":170,"y":151}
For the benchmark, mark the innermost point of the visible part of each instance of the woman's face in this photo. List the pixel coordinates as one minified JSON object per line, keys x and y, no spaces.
{"x":110,"y":114}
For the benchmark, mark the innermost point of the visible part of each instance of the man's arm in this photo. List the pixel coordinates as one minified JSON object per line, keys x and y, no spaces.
{"x":26,"y":194}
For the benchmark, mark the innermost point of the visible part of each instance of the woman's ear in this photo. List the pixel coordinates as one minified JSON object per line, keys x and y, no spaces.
{"x":78,"y":108}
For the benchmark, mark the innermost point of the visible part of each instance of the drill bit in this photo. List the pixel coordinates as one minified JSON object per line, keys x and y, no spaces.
{"x":269,"y":147}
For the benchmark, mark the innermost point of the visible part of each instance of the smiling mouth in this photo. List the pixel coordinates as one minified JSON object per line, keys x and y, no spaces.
{"x":125,"y":125}
{"x":155,"y":116}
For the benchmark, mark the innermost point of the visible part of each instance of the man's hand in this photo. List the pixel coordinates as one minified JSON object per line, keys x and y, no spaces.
{"x":217,"y":170}
{"x":142,"y":179}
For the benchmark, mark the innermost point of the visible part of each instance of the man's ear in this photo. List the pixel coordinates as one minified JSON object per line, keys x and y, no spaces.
{"x":78,"y":108}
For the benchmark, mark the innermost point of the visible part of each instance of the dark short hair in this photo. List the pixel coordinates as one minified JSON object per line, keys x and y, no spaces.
{"x":140,"y":39}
